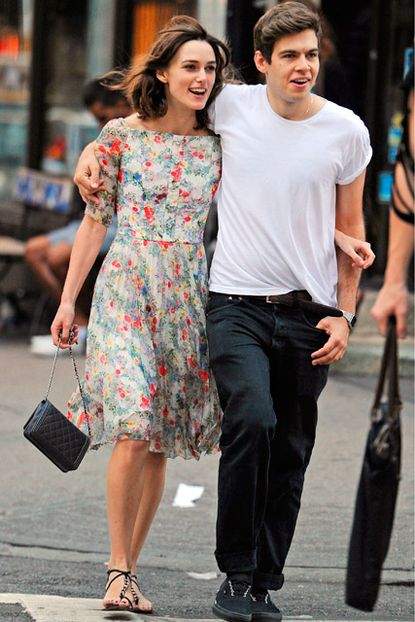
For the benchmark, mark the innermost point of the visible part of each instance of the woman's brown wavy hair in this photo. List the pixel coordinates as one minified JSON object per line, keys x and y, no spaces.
{"x":145,"y":92}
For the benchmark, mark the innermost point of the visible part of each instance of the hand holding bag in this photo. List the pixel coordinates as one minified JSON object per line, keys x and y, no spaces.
{"x":53,"y":434}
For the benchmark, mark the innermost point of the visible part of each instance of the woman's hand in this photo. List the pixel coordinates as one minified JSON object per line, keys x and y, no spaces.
{"x":62,"y":324}
{"x":87,"y":174}
{"x":359,"y":251}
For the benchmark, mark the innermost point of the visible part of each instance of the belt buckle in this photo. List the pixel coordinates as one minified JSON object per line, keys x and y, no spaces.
{"x":268,"y":299}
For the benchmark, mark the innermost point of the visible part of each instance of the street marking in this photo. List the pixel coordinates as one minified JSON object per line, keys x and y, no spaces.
{"x":44,"y":608}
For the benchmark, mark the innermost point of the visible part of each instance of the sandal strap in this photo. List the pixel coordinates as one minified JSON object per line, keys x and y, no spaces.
{"x":120,"y":573}
{"x":134,"y":582}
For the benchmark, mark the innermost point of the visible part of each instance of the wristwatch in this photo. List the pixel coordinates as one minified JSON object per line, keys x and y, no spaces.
{"x":350,"y":317}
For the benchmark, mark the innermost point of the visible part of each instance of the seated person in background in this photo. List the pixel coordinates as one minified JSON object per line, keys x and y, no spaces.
{"x":48,"y":254}
{"x":393,"y":298}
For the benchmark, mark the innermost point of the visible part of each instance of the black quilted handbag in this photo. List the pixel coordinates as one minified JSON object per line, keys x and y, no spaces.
{"x":53,"y":434}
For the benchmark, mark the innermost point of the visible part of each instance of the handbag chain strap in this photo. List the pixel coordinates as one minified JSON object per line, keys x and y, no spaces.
{"x":52,"y":373}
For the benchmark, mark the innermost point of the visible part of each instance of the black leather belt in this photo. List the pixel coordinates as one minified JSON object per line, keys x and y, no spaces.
{"x":290,"y":298}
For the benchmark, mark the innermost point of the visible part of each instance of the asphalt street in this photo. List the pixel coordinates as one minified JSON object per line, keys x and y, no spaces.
{"x":53,"y":532}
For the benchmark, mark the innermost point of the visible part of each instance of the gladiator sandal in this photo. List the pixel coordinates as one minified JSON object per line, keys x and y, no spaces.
{"x":136,"y":592}
{"x":111,"y":606}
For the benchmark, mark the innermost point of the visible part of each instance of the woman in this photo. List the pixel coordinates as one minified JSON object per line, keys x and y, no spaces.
{"x":147,"y":378}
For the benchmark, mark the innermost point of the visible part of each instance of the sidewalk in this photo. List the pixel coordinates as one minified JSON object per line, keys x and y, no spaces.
{"x":53,"y":533}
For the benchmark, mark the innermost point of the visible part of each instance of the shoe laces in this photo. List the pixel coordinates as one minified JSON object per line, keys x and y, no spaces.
{"x":259,"y":596}
{"x":239,"y":588}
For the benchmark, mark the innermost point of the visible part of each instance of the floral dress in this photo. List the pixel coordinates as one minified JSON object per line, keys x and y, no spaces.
{"x":147,"y":375}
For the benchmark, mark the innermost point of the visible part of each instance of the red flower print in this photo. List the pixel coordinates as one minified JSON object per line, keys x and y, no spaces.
{"x":148,"y":163}
{"x":102,"y":149}
{"x":118,"y":371}
{"x":144,"y":402}
{"x":187,"y":219}
{"x":105,"y":162}
{"x":176,"y":173}
{"x":191,"y":362}
{"x":127,"y":318}
{"x":157,"y":139}
{"x":184,"y":334}
{"x":185,"y":194}
{"x":162,"y":370}
{"x":201,"y":156}
{"x":116,"y":264}
{"x":149,"y":212}
{"x":203,"y":374}
{"x":152,"y":390}
{"x":165,"y":412}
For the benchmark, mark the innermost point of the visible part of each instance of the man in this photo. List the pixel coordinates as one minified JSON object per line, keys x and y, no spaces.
{"x":48,"y":254}
{"x":280,"y":308}
{"x":293,"y":169}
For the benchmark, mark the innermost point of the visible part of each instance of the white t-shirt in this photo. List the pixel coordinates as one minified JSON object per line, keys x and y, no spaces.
{"x":276,"y":200}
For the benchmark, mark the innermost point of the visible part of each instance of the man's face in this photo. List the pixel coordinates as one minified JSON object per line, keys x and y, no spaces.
{"x":103,"y":114}
{"x":294,"y":66}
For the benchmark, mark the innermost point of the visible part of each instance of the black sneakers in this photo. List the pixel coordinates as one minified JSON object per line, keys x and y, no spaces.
{"x":263,"y":609}
{"x":233,"y":601}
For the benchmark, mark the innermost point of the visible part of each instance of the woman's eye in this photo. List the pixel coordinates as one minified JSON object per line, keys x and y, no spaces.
{"x":189,"y":67}
{"x":211,"y":69}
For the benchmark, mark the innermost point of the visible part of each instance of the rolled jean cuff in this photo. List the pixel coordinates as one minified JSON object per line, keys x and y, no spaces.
{"x":265,"y":581}
{"x":236,"y":562}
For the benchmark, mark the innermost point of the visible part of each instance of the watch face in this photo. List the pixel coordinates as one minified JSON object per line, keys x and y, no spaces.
{"x":350,"y":318}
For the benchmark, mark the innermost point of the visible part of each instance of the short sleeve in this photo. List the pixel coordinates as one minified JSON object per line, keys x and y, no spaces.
{"x":109,"y":147}
{"x":357,"y":155}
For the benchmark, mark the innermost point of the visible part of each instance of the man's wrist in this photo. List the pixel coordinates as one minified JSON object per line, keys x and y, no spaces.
{"x":350,"y":318}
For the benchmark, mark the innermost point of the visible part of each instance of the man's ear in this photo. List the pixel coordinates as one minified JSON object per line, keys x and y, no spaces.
{"x":260,"y":62}
{"x":160,"y":75}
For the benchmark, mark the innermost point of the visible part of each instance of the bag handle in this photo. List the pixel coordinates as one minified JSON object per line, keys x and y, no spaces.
{"x":52,"y":373}
{"x":389,"y":370}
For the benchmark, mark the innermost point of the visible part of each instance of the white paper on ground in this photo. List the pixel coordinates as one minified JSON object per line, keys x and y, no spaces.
{"x":205,"y":576}
{"x":186,"y":495}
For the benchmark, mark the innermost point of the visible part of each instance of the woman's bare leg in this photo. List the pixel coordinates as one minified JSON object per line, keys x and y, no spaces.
{"x":154,"y":479}
{"x":124,"y":491}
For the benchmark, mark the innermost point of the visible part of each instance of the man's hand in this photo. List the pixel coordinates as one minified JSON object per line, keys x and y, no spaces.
{"x":393,"y":299}
{"x":333,"y":350}
{"x":87,"y":174}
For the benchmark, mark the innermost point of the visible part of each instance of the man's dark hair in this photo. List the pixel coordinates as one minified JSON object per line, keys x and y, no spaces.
{"x":98,"y":91}
{"x":283,"y":19}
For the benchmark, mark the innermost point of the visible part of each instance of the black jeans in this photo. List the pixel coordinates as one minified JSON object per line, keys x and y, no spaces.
{"x":268,"y":389}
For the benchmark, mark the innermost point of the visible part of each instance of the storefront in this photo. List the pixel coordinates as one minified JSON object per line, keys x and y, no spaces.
{"x":49,"y":48}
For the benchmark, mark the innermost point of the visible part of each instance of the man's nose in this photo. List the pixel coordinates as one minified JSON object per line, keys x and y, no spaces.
{"x":302,"y":63}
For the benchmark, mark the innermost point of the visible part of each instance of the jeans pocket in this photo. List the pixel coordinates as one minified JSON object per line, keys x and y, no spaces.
{"x":220,"y":301}
{"x":311,"y":318}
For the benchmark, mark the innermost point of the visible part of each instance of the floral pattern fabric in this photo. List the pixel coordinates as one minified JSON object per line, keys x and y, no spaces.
{"x":147,"y":375}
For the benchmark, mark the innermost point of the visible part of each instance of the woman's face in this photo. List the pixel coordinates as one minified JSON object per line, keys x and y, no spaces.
{"x":190,"y":75}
